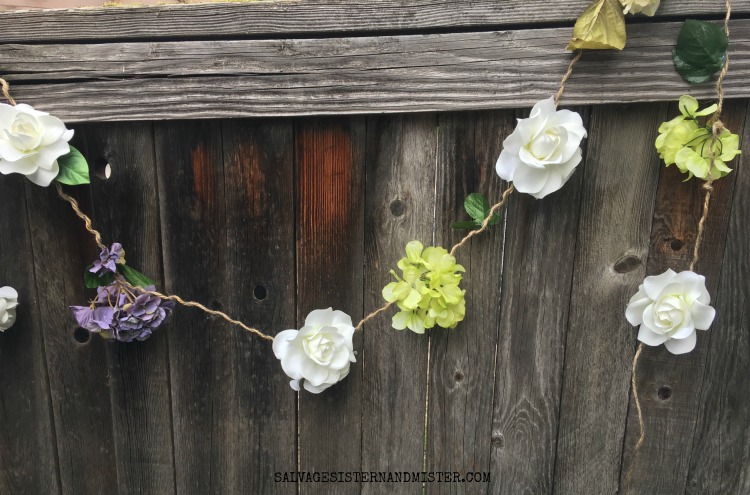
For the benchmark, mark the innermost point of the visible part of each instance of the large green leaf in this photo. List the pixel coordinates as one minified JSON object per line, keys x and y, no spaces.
{"x":701,"y":50}
{"x":134,"y":277}
{"x":74,"y":170}
{"x":600,"y":27}
{"x":92,"y":280}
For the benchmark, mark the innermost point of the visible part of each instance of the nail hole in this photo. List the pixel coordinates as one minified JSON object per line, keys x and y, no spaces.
{"x":260,"y":292}
{"x":676,"y":244}
{"x":458,"y":376}
{"x":81,"y":335}
{"x":216,"y":305}
{"x":664,"y":392}
{"x":398,"y":208}
{"x":498,"y":441}
{"x":627,"y":263}
{"x":102,"y":169}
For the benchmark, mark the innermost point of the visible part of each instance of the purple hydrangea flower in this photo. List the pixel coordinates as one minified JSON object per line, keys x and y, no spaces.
{"x":109,"y":259}
{"x":122,"y":313}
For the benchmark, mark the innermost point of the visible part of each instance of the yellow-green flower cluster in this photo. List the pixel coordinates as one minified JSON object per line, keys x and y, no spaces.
{"x":688,"y":143}
{"x":428,"y":291}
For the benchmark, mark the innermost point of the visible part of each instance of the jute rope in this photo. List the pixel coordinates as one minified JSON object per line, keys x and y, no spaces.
{"x":716,"y":129}
{"x":6,"y":91}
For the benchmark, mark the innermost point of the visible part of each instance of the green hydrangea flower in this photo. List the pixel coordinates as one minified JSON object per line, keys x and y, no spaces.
{"x":428,"y":292}
{"x":687,"y":142}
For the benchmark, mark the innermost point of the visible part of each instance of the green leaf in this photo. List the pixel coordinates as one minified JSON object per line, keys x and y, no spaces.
{"x":600,"y":27}
{"x":701,"y":50}
{"x":134,"y":277}
{"x":477,"y":206}
{"x":74,"y":170}
{"x":93,"y":281}
{"x":466,"y":225}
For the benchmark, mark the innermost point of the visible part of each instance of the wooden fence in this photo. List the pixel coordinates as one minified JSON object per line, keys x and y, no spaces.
{"x":268,"y":218}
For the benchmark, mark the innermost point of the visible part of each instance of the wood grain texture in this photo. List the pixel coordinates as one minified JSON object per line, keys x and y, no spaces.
{"x":540,"y":248}
{"x":400,"y":207}
{"x":330,"y":164}
{"x":190,"y":165}
{"x":462,"y":361}
{"x":718,"y":461}
{"x":616,"y":210}
{"x":300,"y":17}
{"x":433,"y":72}
{"x":255,"y":414}
{"x":139,"y":372}
{"x":78,"y":372}
{"x":670,"y":386}
{"x":28,"y":444}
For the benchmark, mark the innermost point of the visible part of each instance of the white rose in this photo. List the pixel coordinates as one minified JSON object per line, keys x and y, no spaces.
{"x":320,"y":352}
{"x":31,"y":142}
{"x":669,"y":308}
{"x":647,"y":7}
{"x":8,"y":303}
{"x":543,"y":151}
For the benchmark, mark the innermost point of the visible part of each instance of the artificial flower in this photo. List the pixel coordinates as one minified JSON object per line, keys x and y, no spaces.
{"x":647,"y":7}
{"x":8,"y":304}
{"x":669,"y":309}
{"x":543,"y":151}
{"x":31,"y":142}
{"x":428,"y":292}
{"x":688,"y":142}
{"x":109,"y":258}
{"x":320,"y":353}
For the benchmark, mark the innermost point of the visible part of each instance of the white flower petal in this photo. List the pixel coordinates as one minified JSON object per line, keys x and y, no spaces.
{"x":8,"y":293}
{"x":636,"y":306}
{"x":281,"y":342}
{"x":319,"y":317}
{"x":341,"y":318}
{"x":530,"y":180}
{"x":703,"y":315}
{"x":513,"y":143}
{"x":295,"y":385}
{"x":23,"y":166}
{"x":655,"y":283}
{"x":684,"y":331}
{"x":315,"y":389}
{"x":43,"y":177}
{"x":507,"y":165}
{"x":694,"y":285}
{"x":681,"y":346}
{"x":649,"y":337}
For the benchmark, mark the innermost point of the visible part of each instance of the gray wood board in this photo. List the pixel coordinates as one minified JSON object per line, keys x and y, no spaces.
{"x":432,"y":72}
{"x":299,"y":17}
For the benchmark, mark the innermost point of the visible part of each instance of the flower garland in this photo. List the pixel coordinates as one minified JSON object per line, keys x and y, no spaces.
{"x":537,"y":158}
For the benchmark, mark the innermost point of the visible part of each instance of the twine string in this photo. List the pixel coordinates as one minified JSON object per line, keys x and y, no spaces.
{"x":6,"y":91}
{"x":716,"y":129}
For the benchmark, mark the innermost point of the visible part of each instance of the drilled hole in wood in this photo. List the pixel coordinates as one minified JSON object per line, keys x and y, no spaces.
{"x":627,"y":263}
{"x":498,"y":441}
{"x":664,"y":393}
{"x":81,"y":335}
{"x":102,"y":169}
{"x":398,"y":208}
{"x":459,"y":376}
{"x":676,"y":244}
{"x":260,"y":292}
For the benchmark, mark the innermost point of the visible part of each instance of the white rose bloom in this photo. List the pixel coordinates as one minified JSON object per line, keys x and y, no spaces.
{"x":647,"y":7}
{"x":31,"y":142}
{"x":319,"y":353}
{"x":669,"y":308}
{"x":8,"y":303}
{"x":543,"y":151}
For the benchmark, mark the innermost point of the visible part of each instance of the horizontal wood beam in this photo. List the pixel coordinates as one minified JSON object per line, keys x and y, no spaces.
{"x":283,"y":18}
{"x":406,"y":73}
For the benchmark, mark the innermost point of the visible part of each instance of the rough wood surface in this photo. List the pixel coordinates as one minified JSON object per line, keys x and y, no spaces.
{"x":300,"y":17}
{"x":428,"y":72}
{"x":610,"y":253}
{"x":330,"y":165}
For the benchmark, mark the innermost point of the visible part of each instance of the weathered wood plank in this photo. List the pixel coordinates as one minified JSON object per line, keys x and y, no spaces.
{"x":190,"y":164}
{"x":28,"y":445}
{"x":299,"y":17}
{"x":459,"y":71}
{"x":613,"y":236}
{"x":462,"y":361}
{"x":255,"y":415}
{"x":139,"y":371}
{"x":79,"y":385}
{"x":540,"y":248}
{"x":670,"y":386}
{"x":330,"y":162}
{"x":719,"y":458}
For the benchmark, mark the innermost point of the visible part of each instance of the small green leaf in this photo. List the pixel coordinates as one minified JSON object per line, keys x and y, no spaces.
{"x":93,"y":281}
{"x":466,"y":225}
{"x":134,"y":277}
{"x":701,"y":50}
{"x":74,"y":170}
{"x":495,"y":219}
{"x":477,"y":207}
